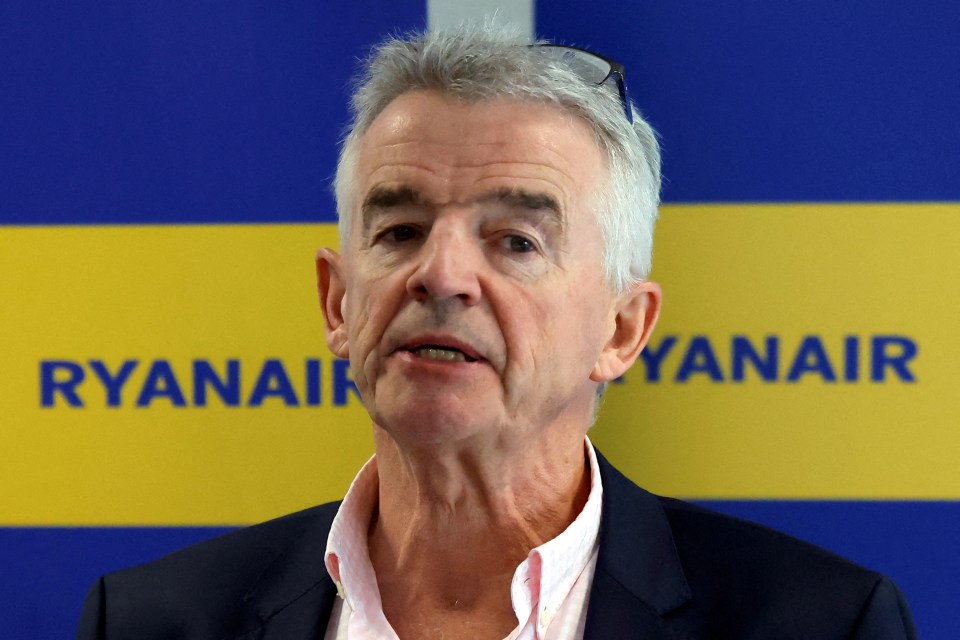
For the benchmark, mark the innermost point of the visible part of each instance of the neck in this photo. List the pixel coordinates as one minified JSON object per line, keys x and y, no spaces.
{"x":453,"y":524}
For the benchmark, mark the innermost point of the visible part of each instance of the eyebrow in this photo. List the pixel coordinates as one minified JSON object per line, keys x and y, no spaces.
{"x":384,"y":198}
{"x":543,"y":205}
{"x":387,"y":197}
{"x":521,"y":199}
{"x":381,"y":198}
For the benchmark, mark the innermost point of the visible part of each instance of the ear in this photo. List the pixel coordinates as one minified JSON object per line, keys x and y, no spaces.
{"x":332,"y":289}
{"x":637,"y":310}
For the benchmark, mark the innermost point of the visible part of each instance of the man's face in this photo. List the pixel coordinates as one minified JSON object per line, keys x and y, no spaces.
{"x":470,"y":297}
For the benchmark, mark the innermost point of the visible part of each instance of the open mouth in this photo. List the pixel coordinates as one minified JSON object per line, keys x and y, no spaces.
{"x":441,"y":354}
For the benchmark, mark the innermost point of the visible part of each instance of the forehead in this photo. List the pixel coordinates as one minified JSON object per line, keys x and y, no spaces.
{"x":449,"y":150}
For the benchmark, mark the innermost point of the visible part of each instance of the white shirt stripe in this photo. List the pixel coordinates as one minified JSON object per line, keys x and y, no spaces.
{"x":450,"y":13}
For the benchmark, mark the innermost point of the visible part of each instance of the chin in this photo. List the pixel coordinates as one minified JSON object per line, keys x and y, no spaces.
{"x":432,"y":422}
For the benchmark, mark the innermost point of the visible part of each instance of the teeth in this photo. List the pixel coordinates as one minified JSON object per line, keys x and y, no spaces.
{"x":447,"y":355}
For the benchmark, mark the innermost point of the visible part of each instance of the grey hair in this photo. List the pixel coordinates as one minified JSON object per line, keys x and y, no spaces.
{"x":480,"y":61}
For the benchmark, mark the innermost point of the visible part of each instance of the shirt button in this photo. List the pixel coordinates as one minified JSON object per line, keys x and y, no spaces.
{"x":545,"y":618}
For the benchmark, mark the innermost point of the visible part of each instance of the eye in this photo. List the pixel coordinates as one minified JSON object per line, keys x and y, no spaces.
{"x":519,"y":244}
{"x":399,"y":233}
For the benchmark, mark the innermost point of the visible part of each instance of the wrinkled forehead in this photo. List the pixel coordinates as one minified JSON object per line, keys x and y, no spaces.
{"x":436,"y":135}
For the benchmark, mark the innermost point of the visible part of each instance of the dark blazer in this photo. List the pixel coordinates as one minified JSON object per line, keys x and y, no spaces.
{"x":665,"y":569}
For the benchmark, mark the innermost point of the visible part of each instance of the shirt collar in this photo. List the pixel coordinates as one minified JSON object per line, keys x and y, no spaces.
{"x":348,"y":557}
{"x":545,"y":579}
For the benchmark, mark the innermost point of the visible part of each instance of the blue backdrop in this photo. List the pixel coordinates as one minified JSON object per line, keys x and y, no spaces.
{"x":214,"y":112}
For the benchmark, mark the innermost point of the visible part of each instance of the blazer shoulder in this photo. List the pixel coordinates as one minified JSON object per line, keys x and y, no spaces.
{"x":704,"y":574}
{"x":734,"y":565}
{"x":206,"y":589}
{"x":722,"y":540}
{"x":243,"y":552}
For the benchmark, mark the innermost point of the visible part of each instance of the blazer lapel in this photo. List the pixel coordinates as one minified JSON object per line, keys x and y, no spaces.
{"x":294,"y":595}
{"x":615,"y":612}
{"x":639,"y":577}
{"x":304,"y":618}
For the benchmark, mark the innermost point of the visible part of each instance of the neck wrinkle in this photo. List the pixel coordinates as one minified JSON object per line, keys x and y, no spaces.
{"x":464,"y":521}
{"x":461,"y":493}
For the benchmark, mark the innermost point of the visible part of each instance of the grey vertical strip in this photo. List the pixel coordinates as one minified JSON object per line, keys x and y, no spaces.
{"x":449,"y":13}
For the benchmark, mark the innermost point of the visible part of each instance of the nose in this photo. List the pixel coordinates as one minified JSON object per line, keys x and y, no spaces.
{"x":447,"y":267}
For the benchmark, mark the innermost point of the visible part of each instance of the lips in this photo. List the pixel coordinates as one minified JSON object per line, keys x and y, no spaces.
{"x":442,"y":354}
{"x":441,"y":349}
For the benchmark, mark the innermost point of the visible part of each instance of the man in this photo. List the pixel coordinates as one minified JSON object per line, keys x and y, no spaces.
{"x":496,"y":210}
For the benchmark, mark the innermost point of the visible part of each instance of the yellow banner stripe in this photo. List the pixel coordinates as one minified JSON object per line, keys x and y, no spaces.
{"x":177,"y":374}
{"x":790,"y":273}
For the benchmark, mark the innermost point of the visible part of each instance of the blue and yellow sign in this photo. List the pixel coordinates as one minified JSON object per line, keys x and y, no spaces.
{"x":165,"y":185}
{"x":142,"y":396}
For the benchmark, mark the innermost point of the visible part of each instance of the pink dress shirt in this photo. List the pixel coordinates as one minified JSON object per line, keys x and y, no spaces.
{"x":549,"y":591}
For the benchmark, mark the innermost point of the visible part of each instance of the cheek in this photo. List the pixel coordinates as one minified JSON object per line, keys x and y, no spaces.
{"x":372,"y":308}
{"x":362,"y":319}
{"x":574,"y":327}
{"x":537,"y":333}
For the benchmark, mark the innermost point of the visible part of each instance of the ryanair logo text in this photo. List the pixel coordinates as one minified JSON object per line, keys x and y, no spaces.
{"x":133,"y":383}
{"x":142,"y":385}
{"x":877,"y":358}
